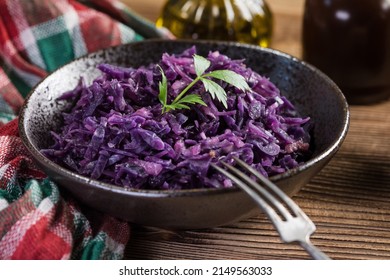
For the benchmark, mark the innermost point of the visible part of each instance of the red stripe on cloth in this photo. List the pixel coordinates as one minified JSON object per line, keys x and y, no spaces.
{"x":99,"y":30}
{"x":12,"y":32}
{"x":11,"y":240}
{"x":14,"y":212}
{"x":14,"y":156}
{"x":10,"y":52}
{"x":40,"y":243}
{"x":119,"y":232}
{"x":9,"y":93}
{"x":9,"y":129}
{"x":7,"y":20}
{"x":40,"y":11}
{"x":18,"y":165}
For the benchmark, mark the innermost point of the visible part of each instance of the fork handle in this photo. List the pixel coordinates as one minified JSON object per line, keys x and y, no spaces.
{"x":313,"y":251}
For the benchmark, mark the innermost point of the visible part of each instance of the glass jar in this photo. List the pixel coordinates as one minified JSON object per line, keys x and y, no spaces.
{"x":247,"y":21}
{"x":350,"y":42}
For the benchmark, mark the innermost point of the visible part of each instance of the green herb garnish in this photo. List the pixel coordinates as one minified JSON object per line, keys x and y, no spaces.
{"x":201,"y":64}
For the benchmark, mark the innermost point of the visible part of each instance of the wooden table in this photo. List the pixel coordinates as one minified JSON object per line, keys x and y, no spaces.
{"x":349,"y":200}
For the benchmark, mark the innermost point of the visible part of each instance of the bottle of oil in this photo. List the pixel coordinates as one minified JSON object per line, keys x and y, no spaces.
{"x":247,"y":21}
{"x":350,"y":42}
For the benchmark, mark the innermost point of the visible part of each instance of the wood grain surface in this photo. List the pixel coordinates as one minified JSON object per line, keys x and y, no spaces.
{"x":349,"y":200}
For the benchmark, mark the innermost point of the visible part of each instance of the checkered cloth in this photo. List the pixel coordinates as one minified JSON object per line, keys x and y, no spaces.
{"x":36,"y":37}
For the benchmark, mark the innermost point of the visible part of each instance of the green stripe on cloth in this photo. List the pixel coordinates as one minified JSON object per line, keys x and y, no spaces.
{"x":13,"y":190}
{"x":91,"y":247}
{"x":94,"y":248}
{"x":6,"y":196}
{"x":18,"y":82}
{"x":6,"y":117}
{"x":100,"y":246}
{"x":56,"y":50}
{"x":45,"y":189}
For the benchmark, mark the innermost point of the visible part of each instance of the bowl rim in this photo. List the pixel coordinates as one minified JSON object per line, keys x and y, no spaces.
{"x":42,"y":160}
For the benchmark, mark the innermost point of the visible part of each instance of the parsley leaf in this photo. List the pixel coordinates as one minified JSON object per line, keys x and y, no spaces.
{"x":163,"y":88}
{"x":191,"y":99}
{"x":215,"y":90}
{"x":230,"y":77}
{"x":201,"y":64}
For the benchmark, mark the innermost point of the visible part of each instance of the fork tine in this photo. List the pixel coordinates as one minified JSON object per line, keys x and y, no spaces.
{"x":260,"y":190}
{"x":269,"y":211}
{"x":285,"y":198}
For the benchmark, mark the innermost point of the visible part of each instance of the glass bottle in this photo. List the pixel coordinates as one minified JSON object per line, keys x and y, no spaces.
{"x":248,"y":21}
{"x":350,"y":42}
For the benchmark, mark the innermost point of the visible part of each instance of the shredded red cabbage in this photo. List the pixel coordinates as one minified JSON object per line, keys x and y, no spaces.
{"x":114,"y":130}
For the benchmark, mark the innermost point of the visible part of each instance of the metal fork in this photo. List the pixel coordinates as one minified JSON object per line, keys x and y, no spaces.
{"x":292,"y":224}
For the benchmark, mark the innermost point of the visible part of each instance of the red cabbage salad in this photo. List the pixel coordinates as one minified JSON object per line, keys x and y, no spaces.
{"x":116,"y":130}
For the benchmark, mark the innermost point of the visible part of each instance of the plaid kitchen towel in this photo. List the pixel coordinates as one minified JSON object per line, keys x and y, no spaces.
{"x":36,"y":37}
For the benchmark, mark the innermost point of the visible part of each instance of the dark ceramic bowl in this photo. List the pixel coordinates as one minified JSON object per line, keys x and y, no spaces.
{"x":313,"y":93}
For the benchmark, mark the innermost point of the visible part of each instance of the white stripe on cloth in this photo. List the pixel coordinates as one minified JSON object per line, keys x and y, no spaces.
{"x":114,"y":247}
{"x":3,"y":204}
{"x":49,"y":28}
{"x":3,"y":170}
{"x":72,"y":24}
{"x":27,"y":41}
{"x":127,"y":34}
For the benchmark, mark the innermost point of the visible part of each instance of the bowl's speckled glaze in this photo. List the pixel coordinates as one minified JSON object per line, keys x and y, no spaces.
{"x":313,"y":93}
